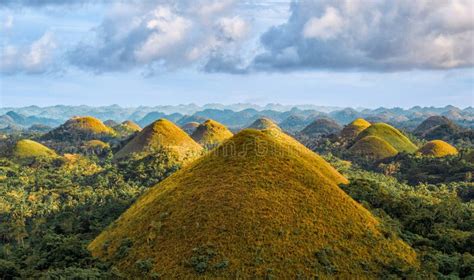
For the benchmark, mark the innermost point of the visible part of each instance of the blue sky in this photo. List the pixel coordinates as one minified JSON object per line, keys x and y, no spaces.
{"x":360,"y":53}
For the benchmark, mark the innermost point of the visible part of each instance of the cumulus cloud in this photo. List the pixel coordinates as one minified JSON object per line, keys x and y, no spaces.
{"x":160,"y":34}
{"x":36,"y":58}
{"x":371,"y":35}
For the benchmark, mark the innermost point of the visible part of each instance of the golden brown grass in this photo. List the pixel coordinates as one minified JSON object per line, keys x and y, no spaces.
{"x":353,"y":129}
{"x":373,"y":147}
{"x":88,"y":125}
{"x":259,"y":205}
{"x":211,"y":133}
{"x":437,"y":148}
{"x":161,"y":135}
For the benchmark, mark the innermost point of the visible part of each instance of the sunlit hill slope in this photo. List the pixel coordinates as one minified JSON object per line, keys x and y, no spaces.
{"x":261,"y":205}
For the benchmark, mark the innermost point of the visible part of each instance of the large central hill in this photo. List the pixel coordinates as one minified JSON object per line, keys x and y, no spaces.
{"x":210,"y":133}
{"x":261,"y":205}
{"x":161,"y":134}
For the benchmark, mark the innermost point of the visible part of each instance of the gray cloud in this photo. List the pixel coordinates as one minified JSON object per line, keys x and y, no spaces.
{"x":371,"y":35}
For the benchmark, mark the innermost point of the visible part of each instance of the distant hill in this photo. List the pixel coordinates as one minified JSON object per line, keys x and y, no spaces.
{"x":293,"y":124}
{"x":260,"y":204}
{"x":321,"y":127}
{"x":211,"y":133}
{"x":189,"y":119}
{"x":80,"y":129}
{"x":127,"y":127}
{"x":391,"y":135}
{"x":264,"y":123}
{"x":373,"y":147}
{"x":154,"y":116}
{"x":437,"y":148}
{"x":190,"y":127}
{"x":353,"y":129}
{"x":31,"y":149}
{"x":437,"y":127}
{"x":161,"y":134}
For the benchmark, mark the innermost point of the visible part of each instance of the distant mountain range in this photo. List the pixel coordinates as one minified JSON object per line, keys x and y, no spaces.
{"x":234,"y":116}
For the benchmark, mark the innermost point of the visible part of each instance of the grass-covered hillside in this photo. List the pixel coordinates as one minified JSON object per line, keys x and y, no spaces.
{"x":80,"y":128}
{"x":264,"y":123}
{"x":437,"y":148}
{"x":261,"y":205}
{"x":161,"y":135}
{"x":211,"y":133}
{"x":353,"y":129}
{"x":373,"y":147}
{"x":391,"y":135}
{"x":31,"y":149}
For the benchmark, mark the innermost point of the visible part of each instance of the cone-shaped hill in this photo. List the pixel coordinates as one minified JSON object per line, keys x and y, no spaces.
{"x":211,"y":133}
{"x":353,"y":129}
{"x":190,"y":127}
{"x":260,"y":204}
{"x":161,"y":134}
{"x":80,"y":128}
{"x":264,"y":123}
{"x":373,"y":147}
{"x":437,"y":148}
{"x":321,"y":127}
{"x":127,"y":127}
{"x":391,"y":135}
{"x":31,"y":149}
{"x":437,"y":127}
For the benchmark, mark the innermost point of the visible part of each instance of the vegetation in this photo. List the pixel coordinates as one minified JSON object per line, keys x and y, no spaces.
{"x":437,"y":148}
{"x":391,"y":135}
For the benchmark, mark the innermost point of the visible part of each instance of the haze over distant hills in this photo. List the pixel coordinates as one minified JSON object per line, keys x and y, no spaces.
{"x":235,"y":116}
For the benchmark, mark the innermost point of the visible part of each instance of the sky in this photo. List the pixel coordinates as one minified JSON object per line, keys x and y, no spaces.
{"x":357,"y":53}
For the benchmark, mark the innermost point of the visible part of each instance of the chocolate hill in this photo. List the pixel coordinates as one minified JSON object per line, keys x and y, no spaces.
{"x":260,"y":205}
{"x":161,"y":135}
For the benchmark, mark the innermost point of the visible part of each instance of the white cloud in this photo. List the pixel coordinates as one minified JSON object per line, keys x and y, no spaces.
{"x":168,"y":30}
{"x":233,"y":29}
{"x":325,"y":27}
{"x":36,"y":58}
